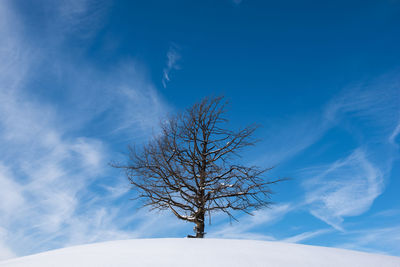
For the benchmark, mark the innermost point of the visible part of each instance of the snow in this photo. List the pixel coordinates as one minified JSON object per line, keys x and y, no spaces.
{"x":201,"y":252}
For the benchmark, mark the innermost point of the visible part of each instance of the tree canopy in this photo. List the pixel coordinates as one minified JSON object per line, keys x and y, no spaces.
{"x":191,"y":168}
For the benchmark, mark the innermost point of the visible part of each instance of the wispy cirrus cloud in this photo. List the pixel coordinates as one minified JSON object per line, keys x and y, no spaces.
{"x":306,"y":235}
{"x":347,"y":187}
{"x":394,"y":135}
{"x":383,"y":240}
{"x":55,"y":182}
{"x":289,"y":137}
{"x":5,"y":252}
{"x":262,"y":218}
{"x":368,"y":112}
{"x":173,"y":58}
{"x":44,"y":171}
{"x":373,"y":104}
{"x":54,"y":176}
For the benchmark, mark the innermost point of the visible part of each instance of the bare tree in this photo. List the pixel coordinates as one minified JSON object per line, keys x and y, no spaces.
{"x":190,"y":168}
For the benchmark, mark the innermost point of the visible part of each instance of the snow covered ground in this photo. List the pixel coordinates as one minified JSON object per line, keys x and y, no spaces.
{"x":201,"y":252}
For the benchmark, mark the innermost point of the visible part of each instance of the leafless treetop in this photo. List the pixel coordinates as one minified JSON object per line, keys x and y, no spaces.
{"x":190,"y":168}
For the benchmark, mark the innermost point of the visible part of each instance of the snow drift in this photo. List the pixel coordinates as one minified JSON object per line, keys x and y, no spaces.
{"x":201,"y":252}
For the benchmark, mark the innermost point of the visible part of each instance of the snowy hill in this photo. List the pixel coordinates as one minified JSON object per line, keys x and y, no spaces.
{"x":205,"y":252}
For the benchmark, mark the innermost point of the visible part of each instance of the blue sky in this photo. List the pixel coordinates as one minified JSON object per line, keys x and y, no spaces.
{"x":82,"y":79}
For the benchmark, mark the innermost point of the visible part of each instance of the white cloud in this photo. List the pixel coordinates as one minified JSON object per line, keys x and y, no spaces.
{"x":347,"y":187}
{"x":173,"y":57}
{"x":52,"y":162}
{"x":374,"y":104}
{"x":51,"y":168}
{"x":243,"y":229}
{"x":368,"y":112}
{"x":5,"y":251}
{"x":375,"y":240}
{"x":90,"y":151}
{"x":387,"y":213}
{"x":11,"y":198}
{"x":78,"y":18}
{"x":306,"y":235}
{"x":52,"y":175}
{"x":142,"y":109}
{"x":289,"y":137}
{"x":394,"y":134}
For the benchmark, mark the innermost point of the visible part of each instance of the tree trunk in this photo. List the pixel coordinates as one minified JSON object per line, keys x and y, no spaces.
{"x":200,"y":226}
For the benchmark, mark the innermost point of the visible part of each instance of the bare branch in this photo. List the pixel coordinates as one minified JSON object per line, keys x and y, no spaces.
{"x":189,"y":168}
